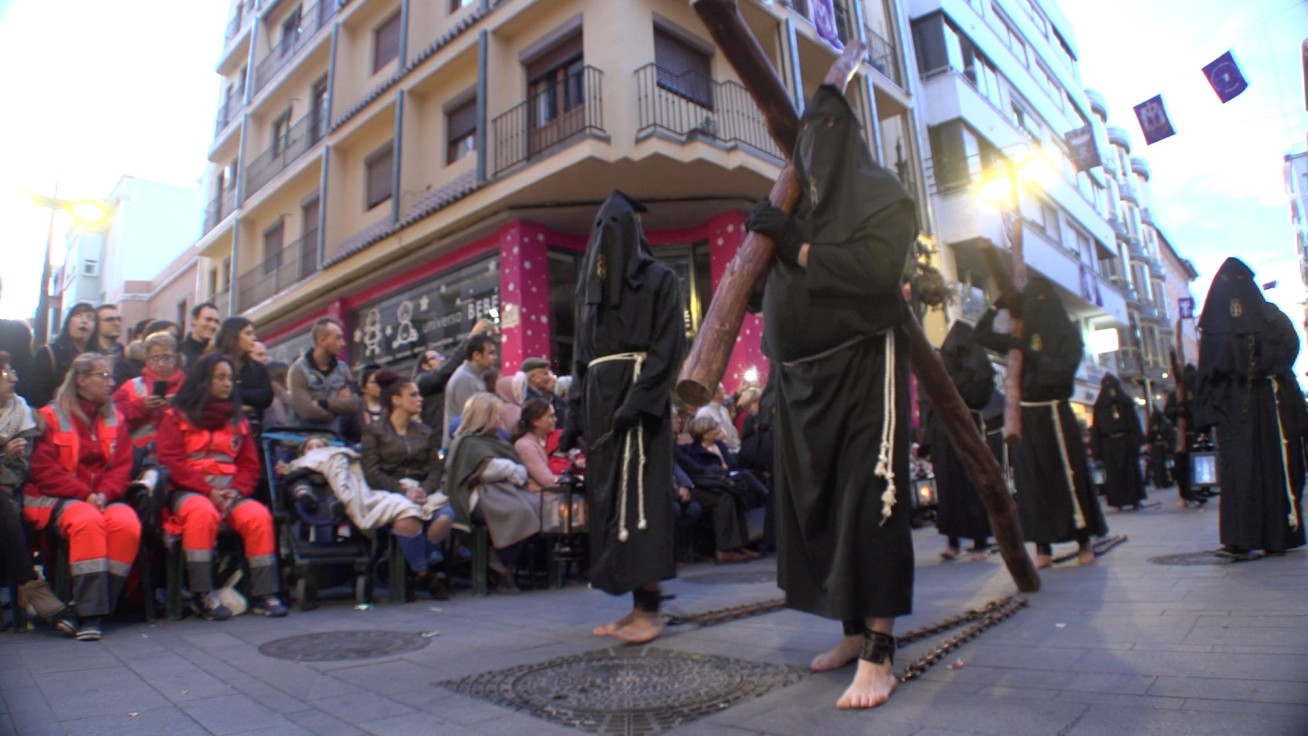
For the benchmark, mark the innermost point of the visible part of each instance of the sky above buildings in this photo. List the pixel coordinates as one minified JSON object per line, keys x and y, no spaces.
{"x":98,"y":90}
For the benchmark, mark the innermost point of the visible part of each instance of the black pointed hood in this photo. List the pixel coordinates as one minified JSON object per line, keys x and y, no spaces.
{"x":617,"y":253}
{"x":968,"y":365}
{"x":1235,"y":305}
{"x":1043,"y":313}
{"x":841,"y":185}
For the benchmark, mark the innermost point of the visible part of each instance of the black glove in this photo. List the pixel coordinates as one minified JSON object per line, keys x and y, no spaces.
{"x":625,"y":418}
{"x":568,"y":440}
{"x":784,"y":230}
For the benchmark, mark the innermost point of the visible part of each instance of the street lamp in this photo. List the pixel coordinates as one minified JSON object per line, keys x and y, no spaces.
{"x":88,"y":214}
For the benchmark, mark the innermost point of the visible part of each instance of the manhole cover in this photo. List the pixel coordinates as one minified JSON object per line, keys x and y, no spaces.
{"x":1190,"y":558}
{"x":336,"y":646}
{"x":742,"y":577}
{"x":626,"y":691}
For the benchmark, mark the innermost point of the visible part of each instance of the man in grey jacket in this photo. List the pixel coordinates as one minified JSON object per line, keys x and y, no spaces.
{"x":319,"y":383}
{"x":468,"y":379}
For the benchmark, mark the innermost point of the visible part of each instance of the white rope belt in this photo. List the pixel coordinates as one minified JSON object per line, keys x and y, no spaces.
{"x":1285,"y":453}
{"x":1077,"y":516}
{"x":638,"y":361}
{"x":885,"y":462}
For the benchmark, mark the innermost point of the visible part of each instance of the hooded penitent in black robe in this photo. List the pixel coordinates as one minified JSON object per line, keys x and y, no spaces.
{"x":1160,"y":437}
{"x":1055,"y":497}
{"x":961,"y":513}
{"x":840,"y":371}
{"x":628,"y":305}
{"x":1247,"y":390}
{"x":1177,"y":410}
{"x":1115,"y":440}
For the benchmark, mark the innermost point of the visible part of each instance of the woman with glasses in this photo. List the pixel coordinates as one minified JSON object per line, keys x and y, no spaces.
{"x":213,"y":466}
{"x":236,"y":340}
{"x":80,"y":473}
{"x":143,"y":399}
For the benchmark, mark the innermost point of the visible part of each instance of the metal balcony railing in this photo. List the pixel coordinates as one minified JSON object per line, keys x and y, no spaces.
{"x":1126,"y":191}
{"x":313,"y":19}
{"x":230,"y":110}
{"x":547,"y":120}
{"x":292,"y":264}
{"x":693,"y":105}
{"x":1136,"y":248}
{"x":240,"y":19}
{"x":882,"y":56}
{"x":219,"y":207}
{"x":299,"y":139}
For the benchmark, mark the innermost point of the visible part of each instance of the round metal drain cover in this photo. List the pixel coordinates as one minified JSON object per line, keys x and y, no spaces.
{"x":742,"y":577}
{"x":338,"y":646}
{"x":1190,"y":558}
{"x":627,"y":691}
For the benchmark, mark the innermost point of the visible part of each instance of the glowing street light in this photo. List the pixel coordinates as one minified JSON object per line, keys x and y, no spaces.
{"x":87,"y":214}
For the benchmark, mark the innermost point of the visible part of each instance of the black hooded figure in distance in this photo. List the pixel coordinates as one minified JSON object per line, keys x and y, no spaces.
{"x":630,"y":342}
{"x":1115,"y":440}
{"x":961,"y":513}
{"x":833,"y":330}
{"x":1055,"y":497}
{"x":1248,"y":392}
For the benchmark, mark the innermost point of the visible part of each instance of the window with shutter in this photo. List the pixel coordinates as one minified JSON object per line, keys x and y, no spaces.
{"x":272,"y":248}
{"x":378,"y":167}
{"x":385,"y":42}
{"x":461,"y":129}
{"x":683,"y":69}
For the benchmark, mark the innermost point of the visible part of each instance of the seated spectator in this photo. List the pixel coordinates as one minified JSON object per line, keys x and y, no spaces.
{"x":718,"y":409}
{"x":81,"y":470}
{"x":370,"y":406}
{"x":511,"y":390}
{"x":467,"y":379}
{"x":319,"y":382}
{"x":535,"y":439}
{"x":51,"y":362}
{"x":18,"y":432}
{"x":278,"y":414}
{"x":717,"y":490}
{"x":402,"y":455}
{"x":206,"y":446}
{"x":130,"y":364}
{"x":709,"y":450}
{"x":142,"y":400}
{"x":236,"y":339}
{"x":260,"y":353}
{"x":486,"y":481}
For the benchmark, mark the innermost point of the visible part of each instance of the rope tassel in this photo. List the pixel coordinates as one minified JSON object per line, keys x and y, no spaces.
{"x":885,"y":462}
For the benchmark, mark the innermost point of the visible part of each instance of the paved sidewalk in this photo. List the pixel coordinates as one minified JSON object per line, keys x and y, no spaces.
{"x":1125,"y":646}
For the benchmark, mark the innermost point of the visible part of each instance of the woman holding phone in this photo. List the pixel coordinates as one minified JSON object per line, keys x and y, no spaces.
{"x":143,"y":399}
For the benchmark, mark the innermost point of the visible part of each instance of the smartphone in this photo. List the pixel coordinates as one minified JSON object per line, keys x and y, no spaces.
{"x":160,"y":388}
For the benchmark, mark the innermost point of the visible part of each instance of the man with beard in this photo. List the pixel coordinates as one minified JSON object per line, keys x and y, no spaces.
{"x":1247,"y":390}
{"x":629,"y":345}
{"x":834,"y":312}
{"x":961,"y":513}
{"x":1115,"y":440}
{"x":1055,"y":497}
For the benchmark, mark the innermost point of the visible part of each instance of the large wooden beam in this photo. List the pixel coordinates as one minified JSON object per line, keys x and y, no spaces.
{"x":706,"y":363}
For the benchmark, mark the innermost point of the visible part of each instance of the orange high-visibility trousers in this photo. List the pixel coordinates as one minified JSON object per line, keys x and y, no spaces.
{"x":200,"y":521}
{"x":102,"y":546}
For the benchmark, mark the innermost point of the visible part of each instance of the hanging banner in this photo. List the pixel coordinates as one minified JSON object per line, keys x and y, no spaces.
{"x":824,"y":20}
{"x":1153,"y":120}
{"x":1224,"y":74}
{"x":1084,"y":149}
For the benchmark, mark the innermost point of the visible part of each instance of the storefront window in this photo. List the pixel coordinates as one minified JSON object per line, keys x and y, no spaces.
{"x":565,"y":268}
{"x":691,"y":263}
{"x":436,"y":313}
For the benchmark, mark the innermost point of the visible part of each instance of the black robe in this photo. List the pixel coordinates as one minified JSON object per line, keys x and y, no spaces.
{"x":1161,"y":437}
{"x":961,"y":512}
{"x":626,"y":303}
{"x":828,"y":328}
{"x":1055,"y":497}
{"x":1177,"y":410}
{"x":1115,"y":440}
{"x":1247,"y":390}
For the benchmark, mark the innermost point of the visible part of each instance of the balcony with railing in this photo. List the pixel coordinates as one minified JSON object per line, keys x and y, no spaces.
{"x":548,"y":120}
{"x":1136,"y":249}
{"x":279,"y":272}
{"x":313,"y":19}
{"x":693,"y":106}
{"x":219,"y":207}
{"x":240,"y":19}
{"x":882,"y":56}
{"x":1119,"y":227}
{"x":297,"y":140}
{"x":1126,"y":191}
{"x":228,"y":113}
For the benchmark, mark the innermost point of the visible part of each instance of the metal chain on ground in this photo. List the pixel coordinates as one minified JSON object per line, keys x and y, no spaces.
{"x":723,"y":615}
{"x":913,"y":635}
{"x":1100,"y":547}
{"x":1005,"y":610}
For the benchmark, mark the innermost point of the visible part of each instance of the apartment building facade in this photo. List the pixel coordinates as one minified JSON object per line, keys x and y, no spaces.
{"x":409,"y":167}
{"x":1296,"y":192}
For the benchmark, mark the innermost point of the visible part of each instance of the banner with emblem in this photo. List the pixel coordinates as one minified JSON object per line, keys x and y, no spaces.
{"x":1225,"y":77}
{"x":1153,"y":120}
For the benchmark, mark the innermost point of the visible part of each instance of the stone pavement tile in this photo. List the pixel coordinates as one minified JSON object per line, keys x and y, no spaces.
{"x":387,"y":678}
{"x":28,"y":697}
{"x":982,"y":676}
{"x":324,"y":724}
{"x":410,"y":724}
{"x":212,"y":640}
{"x":468,"y":711}
{"x":1111,"y":683}
{"x":516,"y":724}
{"x":1205,"y":705}
{"x":136,"y":642}
{"x":270,"y":697}
{"x":291,"y":678}
{"x":1288,"y":637}
{"x":361,"y":707}
{"x":1149,"y":646}
{"x":178,"y":679}
{"x":232,"y":714}
{"x":1249,"y":621}
{"x":1265,"y":691}
{"x":1005,"y":691}
{"x":1143,"y":701}
{"x":709,"y":728}
{"x":68,"y":655}
{"x":1240,"y":666}
{"x":97,"y":691}
{"x":990,"y":654}
{"x":35,"y":723}
{"x":154,"y":720}
{"x":1117,"y":720}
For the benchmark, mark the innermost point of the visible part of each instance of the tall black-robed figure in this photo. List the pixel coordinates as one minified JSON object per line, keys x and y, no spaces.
{"x":1247,"y":390}
{"x":630,"y":342}
{"x":833,"y":312}
{"x":1115,"y":439}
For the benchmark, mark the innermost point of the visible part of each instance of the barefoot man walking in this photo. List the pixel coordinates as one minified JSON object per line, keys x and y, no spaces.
{"x":629,"y":345}
{"x":834,"y":315}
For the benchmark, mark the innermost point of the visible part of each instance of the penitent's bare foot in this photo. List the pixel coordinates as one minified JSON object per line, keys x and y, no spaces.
{"x":844,"y":652}
{"x":610,"y":629}
{"x":1085,"y":556}
{"x":1043,"y":561}
{"x":872,"y":686}
{"x":644,"y":627}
